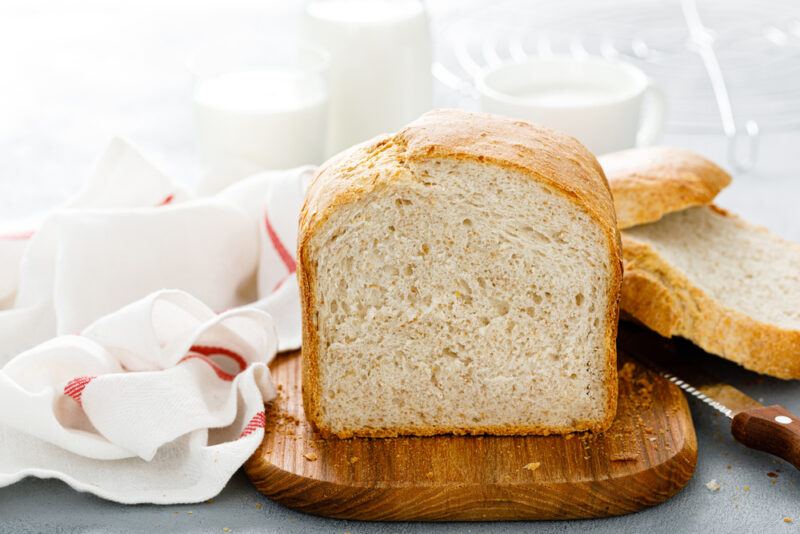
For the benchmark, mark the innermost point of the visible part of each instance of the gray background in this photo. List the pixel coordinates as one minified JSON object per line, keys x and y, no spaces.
{"x":75,"y":73}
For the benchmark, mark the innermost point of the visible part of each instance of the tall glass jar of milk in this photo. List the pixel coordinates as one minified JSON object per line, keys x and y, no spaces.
{"x":380,"y":77}
{"x":259,"y":106}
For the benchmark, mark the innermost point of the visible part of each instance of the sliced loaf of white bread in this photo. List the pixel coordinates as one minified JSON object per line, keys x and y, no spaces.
{"x":699,"y":272}
{"x":460,"y":276}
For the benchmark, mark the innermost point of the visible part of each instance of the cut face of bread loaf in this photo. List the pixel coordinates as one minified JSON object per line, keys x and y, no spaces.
{"x":731,"y":287}
{"x":699,"y":272}
{"x":460,"y":276}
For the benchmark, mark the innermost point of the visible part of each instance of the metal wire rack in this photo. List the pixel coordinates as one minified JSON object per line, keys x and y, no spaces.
{"x":727,"y":66}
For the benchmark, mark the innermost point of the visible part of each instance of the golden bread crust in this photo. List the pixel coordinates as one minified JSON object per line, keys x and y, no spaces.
{"x":665,"y":300}
{"x":648,"y":183}
{"x":555,"y":160}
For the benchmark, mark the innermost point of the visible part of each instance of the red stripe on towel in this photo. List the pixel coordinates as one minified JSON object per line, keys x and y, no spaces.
{"x":259,"y":420}
{"x":18,"y":236}
{"x":75,"y":387}
{"x":204,"y":354}
{"x":227,"y":377}
{"x":282,"y":281}
{"x":220,"y":351}
{"x":278,"y":246}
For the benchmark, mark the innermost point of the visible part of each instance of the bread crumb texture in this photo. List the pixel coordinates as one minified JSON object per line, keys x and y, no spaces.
{"x":460,"y":277}
{"x":730,"y":287}
{"x":713,"y":485}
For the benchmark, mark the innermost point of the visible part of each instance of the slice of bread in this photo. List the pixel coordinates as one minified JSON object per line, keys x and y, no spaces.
{"x":460,"y":276}
{"x":730,"y":287}
{"x":699,"y":272}
{"x":648,"y":183}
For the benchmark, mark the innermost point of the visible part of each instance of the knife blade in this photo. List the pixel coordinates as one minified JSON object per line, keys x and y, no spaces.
{"x":685,"y":366}
{"x":772,"y":429}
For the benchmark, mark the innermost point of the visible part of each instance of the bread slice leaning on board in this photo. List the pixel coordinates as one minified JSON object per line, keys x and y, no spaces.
{"x":697,"y":271}
{"x":460,"y":276}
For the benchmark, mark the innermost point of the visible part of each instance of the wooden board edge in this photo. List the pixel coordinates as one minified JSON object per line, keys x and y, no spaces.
{"x":519,"y":502}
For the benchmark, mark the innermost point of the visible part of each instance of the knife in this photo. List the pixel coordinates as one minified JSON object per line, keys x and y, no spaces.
{"x":772,"y":429}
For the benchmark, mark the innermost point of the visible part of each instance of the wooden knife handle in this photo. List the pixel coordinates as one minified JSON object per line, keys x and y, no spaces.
{"x":772,"y":429}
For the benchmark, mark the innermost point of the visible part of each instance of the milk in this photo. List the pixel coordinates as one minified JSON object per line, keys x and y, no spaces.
{"x":380,"y":71}
{"x":254,"y":120}
{"x":557,"y":95}
{"x":605,"y":104}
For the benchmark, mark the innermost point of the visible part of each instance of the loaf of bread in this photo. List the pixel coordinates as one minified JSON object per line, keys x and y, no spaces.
{"x":460,"y":276}
{"x":701,"y":273}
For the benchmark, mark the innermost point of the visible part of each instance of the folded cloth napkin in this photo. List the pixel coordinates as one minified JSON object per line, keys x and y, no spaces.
{"x":158,"y":402}
{"x":117,"y":386}
{"x":132,"y":231}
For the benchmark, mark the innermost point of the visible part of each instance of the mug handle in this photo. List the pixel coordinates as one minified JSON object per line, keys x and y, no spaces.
{"x":655,"y":116}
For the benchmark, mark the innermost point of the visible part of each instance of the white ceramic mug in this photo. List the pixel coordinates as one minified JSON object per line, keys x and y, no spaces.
{"x":607,"y":105}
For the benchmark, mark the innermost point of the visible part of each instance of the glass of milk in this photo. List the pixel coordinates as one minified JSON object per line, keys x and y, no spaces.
{"x":381,"y":57}
{"x":259,"y":106}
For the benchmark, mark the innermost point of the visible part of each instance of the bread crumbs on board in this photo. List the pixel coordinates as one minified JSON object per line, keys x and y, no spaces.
{"x":713,"y":485}
{"x":788,"y":520}
{"x":311,"y":456}
{"x":533,"y":466}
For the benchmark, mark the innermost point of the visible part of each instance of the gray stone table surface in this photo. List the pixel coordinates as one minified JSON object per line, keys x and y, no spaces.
{"x":75,"y":73}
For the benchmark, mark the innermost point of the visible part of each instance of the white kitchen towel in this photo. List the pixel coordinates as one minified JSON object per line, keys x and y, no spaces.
{"x":117,"y":386}
{"x":122,"y":179}
{"x":158,"y":402}
{"x":132,"y":231}
{"x":275,"y":199}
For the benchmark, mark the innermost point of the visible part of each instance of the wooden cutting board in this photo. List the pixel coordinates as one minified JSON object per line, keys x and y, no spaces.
{"x":647,"y":456}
